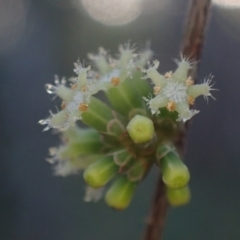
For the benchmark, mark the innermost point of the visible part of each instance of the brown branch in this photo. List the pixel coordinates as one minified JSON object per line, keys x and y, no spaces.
{"x":195,"y":29}
{"x":155,"y":223}
{"x":192,"y":45}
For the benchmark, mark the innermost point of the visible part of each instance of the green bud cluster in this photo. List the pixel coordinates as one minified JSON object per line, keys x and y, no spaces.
{"x":175,"y":175}
{"x":131,"y":132}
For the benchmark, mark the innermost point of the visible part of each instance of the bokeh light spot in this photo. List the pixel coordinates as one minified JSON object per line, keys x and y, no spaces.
{"x":227,"y":3}
{"x":113,"y":12}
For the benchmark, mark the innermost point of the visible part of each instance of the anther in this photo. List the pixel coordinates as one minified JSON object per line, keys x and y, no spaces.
{"x":83,"y":107}
{"x":168,"y":74}
{"x":63,"y":105}
{"x":190,"y":100}
{"x":84,"y":89}
{"x":74,"y":86}
{"x":171,"y":106}
{"x":115,"y":81}
{"x":156,"y":89}
{"x":189,"y":81}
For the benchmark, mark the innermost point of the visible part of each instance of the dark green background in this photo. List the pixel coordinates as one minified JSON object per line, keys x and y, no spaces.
{"x":34,"y":205}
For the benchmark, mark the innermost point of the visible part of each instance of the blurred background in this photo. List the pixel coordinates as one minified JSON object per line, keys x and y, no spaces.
{"x":41,"y":38}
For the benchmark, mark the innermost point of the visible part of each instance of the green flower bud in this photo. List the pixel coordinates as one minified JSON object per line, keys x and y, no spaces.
{"x":82,"y":162}
{"x":100,"y":172}
{"x":175,"y":174}
{"x":137,"y":111}
{"x":120,"y":193}
{"x":143,"y":87}
{"x":86,"y":141}
{"x":98,"y":115}
{"x":124,"y":97}
{"x":140,"y":129}
{"x":178,"y":197}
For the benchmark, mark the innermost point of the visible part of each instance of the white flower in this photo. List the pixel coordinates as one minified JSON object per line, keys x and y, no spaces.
{"x":176,"y":91}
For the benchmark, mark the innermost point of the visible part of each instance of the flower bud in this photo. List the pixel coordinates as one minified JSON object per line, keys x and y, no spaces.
{"x":120,"y":193}
{"x":98,"y":115}
{"x":178,"y":197}
{"x":124,"y":97}
{"x":140,"y":129}
{"x":100,"y":173}
{"x":143,"y":86}
{"x":175,"y":174}
{"x":86,"y":142}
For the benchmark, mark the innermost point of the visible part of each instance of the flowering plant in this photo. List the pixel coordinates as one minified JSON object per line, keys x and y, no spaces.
{"x":136,"y":130}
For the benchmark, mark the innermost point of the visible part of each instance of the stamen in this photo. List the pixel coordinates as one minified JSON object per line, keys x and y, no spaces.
{"x":189,"y":81}
{"x":190,"y":100}
{"x":84,"y":89}
{"x":171,"y":106}
{"x":74,"y":86}
{"x":63,"y":105}
{"x":83,"y":107}
{"x":115,"y":81}
{"x":156,"y":89}
{"x":168,"y":74}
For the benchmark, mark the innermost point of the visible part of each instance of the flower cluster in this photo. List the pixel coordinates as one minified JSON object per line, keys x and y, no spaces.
{"x":127,"y":138}
{"x":77,"y":96}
